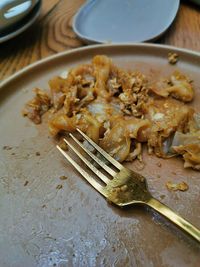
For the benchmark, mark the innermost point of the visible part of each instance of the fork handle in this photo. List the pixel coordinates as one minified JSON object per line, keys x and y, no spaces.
{"x":173,"y":217}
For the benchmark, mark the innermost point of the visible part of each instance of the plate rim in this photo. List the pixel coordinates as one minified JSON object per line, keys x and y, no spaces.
{"x":9,"y":79}
{"x":89,"y":40}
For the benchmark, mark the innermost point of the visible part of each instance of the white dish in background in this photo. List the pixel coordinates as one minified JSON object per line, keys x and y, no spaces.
{"x":124,"y":21}
{"x":22,"y":25}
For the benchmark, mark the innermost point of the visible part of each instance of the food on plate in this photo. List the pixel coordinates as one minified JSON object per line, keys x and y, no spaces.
{"x":182,"y":186}
{"x":172,"y":58}
{"x":37,"y":106}
{"x":122,"y":110}
{"x":178,"y":86}
{"x":59,"y":186}
{"x":63,"y":177}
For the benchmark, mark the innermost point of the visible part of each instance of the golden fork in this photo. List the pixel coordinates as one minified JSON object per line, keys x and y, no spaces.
{"x":124,"y":187}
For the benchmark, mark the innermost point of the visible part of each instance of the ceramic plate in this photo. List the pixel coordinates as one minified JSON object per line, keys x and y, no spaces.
{"x":41,"y":225}
{"x":22,"y":25}
{"x":126,"y":21}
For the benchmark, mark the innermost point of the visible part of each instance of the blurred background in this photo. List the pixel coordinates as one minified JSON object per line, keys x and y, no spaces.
{"x":52,"y":33}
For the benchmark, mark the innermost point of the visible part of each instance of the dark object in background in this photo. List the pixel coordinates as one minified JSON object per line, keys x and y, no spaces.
{"x":16,"y":16}
{"x":196,"y":1}
{"x":12,"y":11}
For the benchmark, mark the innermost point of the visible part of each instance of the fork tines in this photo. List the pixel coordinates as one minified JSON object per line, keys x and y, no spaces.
{"x":88,"y":163}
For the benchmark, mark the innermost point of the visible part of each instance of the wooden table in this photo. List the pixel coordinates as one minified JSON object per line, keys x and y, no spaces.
{"x":53,"y":33}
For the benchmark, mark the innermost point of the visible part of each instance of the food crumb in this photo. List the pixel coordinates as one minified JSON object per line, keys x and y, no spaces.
{"x":63,"y":177}
{"x":7,"y":147}
{"x":37,"y":153}
{"x":172,"y":58}
{"x":140,"y":166}
{"x":175,"y":187}
{"x":159,"y":164}
{"x":25,"y":184}
{"x":113,"y":249}
{"x":70,"y":209}
{"x":59,"y":186}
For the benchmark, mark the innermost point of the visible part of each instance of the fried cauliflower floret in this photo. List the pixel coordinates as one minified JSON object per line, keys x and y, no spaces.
{"x":102,"y":67}
{"x":117,"y":141}
{"x":58,"y":87}
{"x":75,"y":91}
{"x":167,"y":116}
{"x":191,"y":155}
{"x":179,"y":87}
{"x":188,"y":145}
{"x":84,"y":121}
{"x":36,"y":107}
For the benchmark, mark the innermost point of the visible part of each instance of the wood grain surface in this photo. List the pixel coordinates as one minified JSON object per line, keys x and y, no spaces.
{"x":52,"y":33}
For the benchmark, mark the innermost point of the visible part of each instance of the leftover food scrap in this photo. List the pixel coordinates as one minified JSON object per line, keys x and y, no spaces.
{"x":122,"y":110}
{"x":177,"y":187}
{"x":172,"y":58}
{"x":59,"y":186}
{"x":63,"y":177}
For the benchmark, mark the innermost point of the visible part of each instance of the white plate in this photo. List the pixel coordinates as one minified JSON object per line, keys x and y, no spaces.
{"x":126,"y":21}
